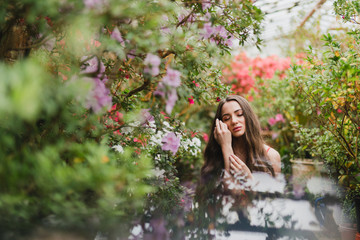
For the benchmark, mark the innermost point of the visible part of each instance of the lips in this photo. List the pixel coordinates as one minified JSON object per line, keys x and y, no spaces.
{"x":236,"y":129}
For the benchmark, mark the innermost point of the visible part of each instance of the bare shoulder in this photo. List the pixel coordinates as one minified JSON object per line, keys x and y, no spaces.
{"x":274,"y":158}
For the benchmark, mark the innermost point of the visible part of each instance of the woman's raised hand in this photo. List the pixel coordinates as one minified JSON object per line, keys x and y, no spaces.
{"x":222,"y":134}
{"x":239,"y":167}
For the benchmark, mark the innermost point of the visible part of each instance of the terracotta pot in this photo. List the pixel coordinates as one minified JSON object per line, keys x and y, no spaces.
{"x":304,"y":169}
{"x":348,"y":231}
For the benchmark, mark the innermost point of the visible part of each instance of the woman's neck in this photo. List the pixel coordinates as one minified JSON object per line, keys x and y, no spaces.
{"x":239,"y":147}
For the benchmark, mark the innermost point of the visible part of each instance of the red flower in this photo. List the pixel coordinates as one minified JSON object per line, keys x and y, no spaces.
{"x":205,"y":137}
{"x":218,"y":99}
{"x":191,"y":101}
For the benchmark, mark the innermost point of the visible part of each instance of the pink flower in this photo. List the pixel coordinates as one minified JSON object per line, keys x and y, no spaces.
{"x":279,"y":118}
{"x":152,"y":63}
{"x":171,"y":100}
{"x":170,"y":143}
{"x":117,"y":36}
{"x":272,"y":121}
{"x":339,"y":110}
{"x":172,"y":78}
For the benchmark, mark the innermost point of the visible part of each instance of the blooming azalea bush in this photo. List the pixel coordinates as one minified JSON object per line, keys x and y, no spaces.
{"x":243,"y":72}
{"x":133,"y":70}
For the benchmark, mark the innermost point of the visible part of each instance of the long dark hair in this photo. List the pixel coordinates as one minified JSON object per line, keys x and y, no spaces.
{"x":257,"y":158}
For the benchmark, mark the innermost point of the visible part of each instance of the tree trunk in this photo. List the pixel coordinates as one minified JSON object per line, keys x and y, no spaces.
{"x":14,"y":41}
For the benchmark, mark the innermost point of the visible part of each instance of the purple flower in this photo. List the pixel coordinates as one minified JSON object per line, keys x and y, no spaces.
{"x":98,"y":98}
{"x":172,"y":78}
{"x":131,"y":54}
{"x":93,"y":65}
{"x":171,"y":100}
{"x":90,"y":66}
{"x":146,"y":116}
{"x":229,"y":41}
{"x":117,"y":36}
{"x":160,"y":90}
{"x":221,"y":31}
{"x":92,"y":4}
{"x":207,"y":17}
{"x":208,"y":30}
{"x":152,"y":63}
{"x":170,"y":143}
{"x":206,"y":5}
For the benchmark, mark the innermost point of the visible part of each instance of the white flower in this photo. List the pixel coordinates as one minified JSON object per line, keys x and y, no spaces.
{"x":118,"y":148}
{"x":156,"y":138}
{"x":159,"y":172}
{"x":196,"y":142}
{"x":167,"y":125}
{"x":157,"y":157}
{"x":126,"y":130}
{"x":135,"y":124}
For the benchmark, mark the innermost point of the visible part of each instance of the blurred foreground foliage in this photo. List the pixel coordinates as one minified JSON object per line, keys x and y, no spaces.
{"x":56,"y":167}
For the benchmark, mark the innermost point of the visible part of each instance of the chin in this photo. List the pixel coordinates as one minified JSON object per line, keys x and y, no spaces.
{"x":238,"y":134}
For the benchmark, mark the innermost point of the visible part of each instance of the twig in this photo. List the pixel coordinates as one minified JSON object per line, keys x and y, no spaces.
{"x":142,"y":87}
{"x":318,"y":5}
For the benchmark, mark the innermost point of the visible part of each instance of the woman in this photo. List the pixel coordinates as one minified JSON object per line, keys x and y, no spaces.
{"x":236,"y":147}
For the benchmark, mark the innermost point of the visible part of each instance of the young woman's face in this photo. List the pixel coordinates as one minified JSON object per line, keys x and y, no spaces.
{"x":232,"y":115}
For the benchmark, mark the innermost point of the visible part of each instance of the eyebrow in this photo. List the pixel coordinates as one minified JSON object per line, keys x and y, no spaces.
{"x":229,"y":113}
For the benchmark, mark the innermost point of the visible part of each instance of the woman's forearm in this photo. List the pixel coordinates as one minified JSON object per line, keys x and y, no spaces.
{"x":227,"y":151}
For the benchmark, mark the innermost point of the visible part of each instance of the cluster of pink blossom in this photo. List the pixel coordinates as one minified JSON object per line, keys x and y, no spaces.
{"x":152,"y":63}
{"x":170,"y":143}
{"x":99,"y":96}
{"x":168,"y":87}
{"x":217,"y":34}
{"x":243,"y":71}
{"x":278,"y":118}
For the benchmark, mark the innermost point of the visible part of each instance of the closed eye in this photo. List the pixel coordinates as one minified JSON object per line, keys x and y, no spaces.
{"x":225,"y":119}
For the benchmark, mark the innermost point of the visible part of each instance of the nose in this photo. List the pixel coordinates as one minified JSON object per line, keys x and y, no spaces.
{"x":234,"y":120}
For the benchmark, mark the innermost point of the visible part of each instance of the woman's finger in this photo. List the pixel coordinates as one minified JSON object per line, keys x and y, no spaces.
{"x":235,"y":163}
{"x":218,"y":125}
{"x":237,"y":159}
{"x":223,"y":125}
